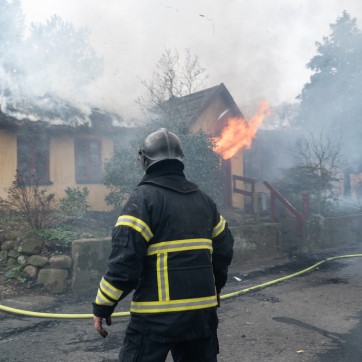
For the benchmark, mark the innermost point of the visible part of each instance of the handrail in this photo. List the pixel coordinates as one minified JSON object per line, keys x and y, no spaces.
{"x":244,"y":179}
{"x":276,"y":195}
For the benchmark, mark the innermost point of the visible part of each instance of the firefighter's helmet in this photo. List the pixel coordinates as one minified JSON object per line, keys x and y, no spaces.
{"x":159,"y":146}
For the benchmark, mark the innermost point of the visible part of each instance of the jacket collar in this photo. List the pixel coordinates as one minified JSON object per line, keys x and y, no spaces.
{"x":169,"y":177}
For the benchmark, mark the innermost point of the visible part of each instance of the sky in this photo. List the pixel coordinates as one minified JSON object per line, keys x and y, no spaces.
{"x":258,"y":48}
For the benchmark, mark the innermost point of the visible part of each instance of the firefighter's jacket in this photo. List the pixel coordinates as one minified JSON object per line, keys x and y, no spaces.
{"x":172,"y":246}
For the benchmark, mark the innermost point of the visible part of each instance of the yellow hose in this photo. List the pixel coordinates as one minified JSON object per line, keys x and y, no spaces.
{"x":124,"y":314}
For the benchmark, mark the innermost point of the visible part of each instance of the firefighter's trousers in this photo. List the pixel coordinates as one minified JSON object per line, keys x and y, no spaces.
{"x":140,"y":347}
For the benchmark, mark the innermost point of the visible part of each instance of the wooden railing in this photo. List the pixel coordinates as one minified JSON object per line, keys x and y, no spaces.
{"x":275,"y":195}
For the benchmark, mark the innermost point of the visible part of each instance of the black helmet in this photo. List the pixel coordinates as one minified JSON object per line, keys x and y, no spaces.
{"x":158,"y":146}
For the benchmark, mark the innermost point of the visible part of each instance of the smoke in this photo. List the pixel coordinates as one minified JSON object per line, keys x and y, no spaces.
{"x":258,"y":49}
{"x":45,"y":75}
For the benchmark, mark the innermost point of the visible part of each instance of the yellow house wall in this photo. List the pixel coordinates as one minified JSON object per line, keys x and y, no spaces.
{"x":237,"y":168}
{"x":61,"y":167}
{"x":62,"y":170}
{"x":8,"y":159}
{"x":207,"y":121}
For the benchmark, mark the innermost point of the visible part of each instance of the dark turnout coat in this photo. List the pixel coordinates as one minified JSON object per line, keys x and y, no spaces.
{"x":172,"y":246}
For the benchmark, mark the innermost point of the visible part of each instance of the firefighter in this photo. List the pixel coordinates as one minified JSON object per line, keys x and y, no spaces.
{"x":173,"y":247}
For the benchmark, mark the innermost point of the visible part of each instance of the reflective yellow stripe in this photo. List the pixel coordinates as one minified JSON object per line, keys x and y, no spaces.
{"x":136,"y":224}
{"x":174,"y":305}
{"x":159,"y":280}
{"x":102,"y":300}
{"x":219,"y":228}
{"x":179,"y":245}
{"x":108,"y":289}
{"x":167,"y":287}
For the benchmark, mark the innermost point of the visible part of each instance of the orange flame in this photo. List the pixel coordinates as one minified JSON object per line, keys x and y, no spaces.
{"x":238,"y":133}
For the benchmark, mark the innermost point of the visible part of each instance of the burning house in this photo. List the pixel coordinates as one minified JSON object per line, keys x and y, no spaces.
{"x":215,"y":112}
{"x":59,"y":155}
{"x":69,"y":148}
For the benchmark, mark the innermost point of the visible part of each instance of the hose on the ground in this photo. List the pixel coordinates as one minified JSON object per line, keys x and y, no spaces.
{"x":224,"y":296}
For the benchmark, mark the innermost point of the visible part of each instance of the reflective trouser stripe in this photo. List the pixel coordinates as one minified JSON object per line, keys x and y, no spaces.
{"x":219,"y":228}
{"x":179,"y":245}
{"x":174,"y":305}
{"x":136,"y":224}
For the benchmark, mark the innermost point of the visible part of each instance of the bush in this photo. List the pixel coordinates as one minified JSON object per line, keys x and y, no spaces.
{"x":202,"y":165}
{"x":29,"y":200}
{"x":75,"y":202}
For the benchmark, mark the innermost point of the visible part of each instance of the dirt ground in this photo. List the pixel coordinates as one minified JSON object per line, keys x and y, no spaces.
{"x":313,"y":317}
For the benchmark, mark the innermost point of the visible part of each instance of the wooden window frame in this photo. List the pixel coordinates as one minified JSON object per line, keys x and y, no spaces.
{"x":33,"y":154}
{"x":88,"y":165}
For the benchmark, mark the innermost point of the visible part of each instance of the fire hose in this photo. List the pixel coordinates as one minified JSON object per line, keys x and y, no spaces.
{"x":224,"y":296}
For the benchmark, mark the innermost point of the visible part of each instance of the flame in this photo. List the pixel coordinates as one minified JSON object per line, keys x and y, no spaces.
{"x":238,"y":133}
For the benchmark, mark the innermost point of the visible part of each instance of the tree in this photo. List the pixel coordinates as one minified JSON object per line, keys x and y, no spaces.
{"x":57,"y":48}
{"x":123,"y":171}
{"x":331,"y":100}
{"x":316,"y":172}
{"x":41,"y":75}
{"x":12,"y":26}
{"x":173,"y":77}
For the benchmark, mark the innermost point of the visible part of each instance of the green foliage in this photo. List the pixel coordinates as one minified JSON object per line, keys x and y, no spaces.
{"x":122,"y":174}
{"x":202,"y":166}
{"x":75,"y":202}
{"x":29,"y":200}
{"x":331,"y":100}
{"x":57,"y":235}
{"x":17,"y":273}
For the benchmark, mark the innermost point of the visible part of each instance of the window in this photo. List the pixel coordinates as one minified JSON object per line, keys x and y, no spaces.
{"x":33,"y":158}
{"x":88,"y":160}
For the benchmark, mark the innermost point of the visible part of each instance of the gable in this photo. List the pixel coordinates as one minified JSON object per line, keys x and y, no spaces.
{"x":202,"y":110}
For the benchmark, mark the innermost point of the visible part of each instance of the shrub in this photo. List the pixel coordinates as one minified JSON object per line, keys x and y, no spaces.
{"x":75,"y":202}
{"x":28,"y":199}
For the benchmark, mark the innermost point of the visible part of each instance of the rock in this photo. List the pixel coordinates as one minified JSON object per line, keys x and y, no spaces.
{"x":38,"y":260}
{"x":13,"y":254}
{"x":31,"y":247}
{"x":61,"y":261}
{"x":12,"y":235}
{"x":54,"y":280}
{"x":11,"y":263}
{"x":32,"y":271}
{"x":10,"y":245}
{"x":23,"y":259}
{"x":3,"y":256}
{"x":2,"y":236}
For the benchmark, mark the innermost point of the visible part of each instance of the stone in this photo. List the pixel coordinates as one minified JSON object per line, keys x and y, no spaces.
{"x":61,"y":261}
{"x":31,"y":271}
{"x":12,"y":235}
{"x":3,"y":256}
{"x":13,"y":254}
{"x":31,"y":247}
{"x":23,"y":259}
{"x":38,"y":260}
{"x":11,"y":263}
{"x":54,"y":280}
{"x":10,"y":245}
{"x":2,"y":236}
